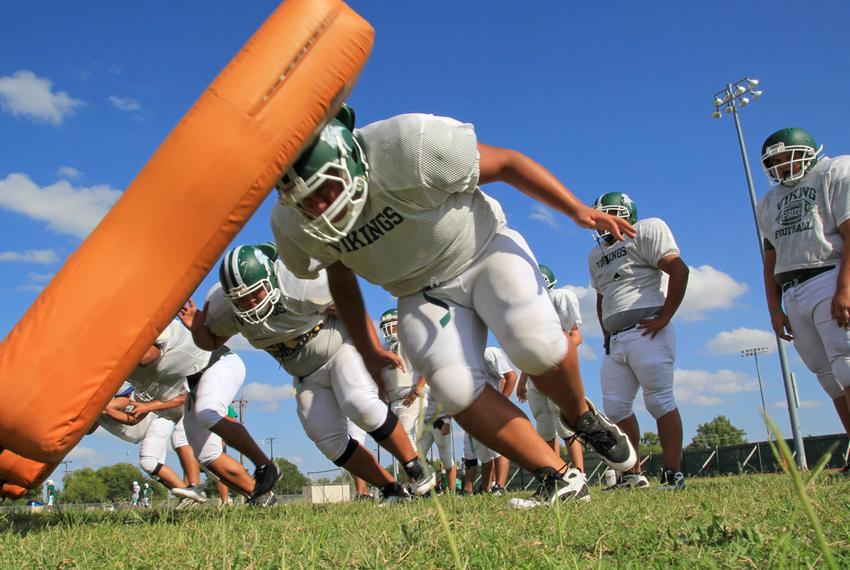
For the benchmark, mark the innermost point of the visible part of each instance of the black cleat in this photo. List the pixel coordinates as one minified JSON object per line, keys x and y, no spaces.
{"x":606,"y":438}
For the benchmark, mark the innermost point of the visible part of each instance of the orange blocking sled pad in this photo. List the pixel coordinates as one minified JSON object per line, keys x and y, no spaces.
{"x":19,"y":470}
{"x":8,"y":491}
{"x":88,"y":329}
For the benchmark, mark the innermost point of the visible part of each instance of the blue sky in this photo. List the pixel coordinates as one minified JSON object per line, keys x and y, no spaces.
{"x":606,"y":95}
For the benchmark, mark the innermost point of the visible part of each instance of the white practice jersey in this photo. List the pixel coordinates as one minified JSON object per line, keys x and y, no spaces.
{"x":165,"y":378}
{"x":496,"y":365}
{"x":566,"y":305}
{"x":397,"y":383}
{"x":801,"y":222}
{"x":302,"y":306}
{"x":425,"y":220}
{"x":626,"y":272}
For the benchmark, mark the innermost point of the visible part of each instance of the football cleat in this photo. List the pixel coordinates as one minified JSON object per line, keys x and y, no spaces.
{"x":672,"y":480}
{"x":265,"y":476}
{"x":555,"y":486}
{"x":606,"y":438}
{"x":629,"y":481}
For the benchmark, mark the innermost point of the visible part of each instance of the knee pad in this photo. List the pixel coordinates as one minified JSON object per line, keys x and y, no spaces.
{"x":208,"y":417}
{"x":830,"y":385}
{"x":383,"y":431}
{"x":535,"y":354}
{"x":470,"y":462}
{"x":150,"y":464}
{"x":617,"y":409}
{"x":346,"y":455}
{"x":335,"y":446}
{"x":659,"y":403}
{"x":456,"y":388}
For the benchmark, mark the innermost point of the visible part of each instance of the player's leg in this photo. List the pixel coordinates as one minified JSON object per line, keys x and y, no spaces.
{"x":487,"y":474}
{"x":470,"y":465}
{"x":509,"y":295}
{"x":619,"y":388}
{"x":180,"y":444}
{"x":152,"y":451}
{"x":357,"y":398}
{"x":361,"y":490}
{"x":546,"y":415}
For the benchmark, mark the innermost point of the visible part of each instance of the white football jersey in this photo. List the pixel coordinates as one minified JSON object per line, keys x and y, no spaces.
{"x":397,"y":383}
{"x":165,"y":378}
{"x":626,"y":272}
{"x":801,"y":222}
{"x":496,"y":365}
{"x":425,"y":219}
{"x":302,"y":306}
{"x":566,"y":305}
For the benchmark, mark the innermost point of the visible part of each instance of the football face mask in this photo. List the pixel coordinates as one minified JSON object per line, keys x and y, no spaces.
{"x":328,"y":184}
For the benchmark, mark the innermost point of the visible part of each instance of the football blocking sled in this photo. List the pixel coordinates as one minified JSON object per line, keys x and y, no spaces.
{"x":19,"y":470}
{"x":9,"y":491}
{"x":89,"y":328}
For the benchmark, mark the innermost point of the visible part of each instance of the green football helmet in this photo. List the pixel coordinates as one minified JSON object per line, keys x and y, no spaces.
{"x":788,"y":154}
{"x":335,"y":157}
{"x":246,"y":270}
{"x":548,"y":277}
{"x":616,"y":204}
{"x":389,"y":325}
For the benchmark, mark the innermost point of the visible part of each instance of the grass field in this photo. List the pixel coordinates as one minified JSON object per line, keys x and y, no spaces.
{"x":736,"y":522}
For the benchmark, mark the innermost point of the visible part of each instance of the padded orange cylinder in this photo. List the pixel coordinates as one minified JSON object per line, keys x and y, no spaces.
{"x":22,"y":471}
{"x":9,"y":491}
{"x":90,"y":326}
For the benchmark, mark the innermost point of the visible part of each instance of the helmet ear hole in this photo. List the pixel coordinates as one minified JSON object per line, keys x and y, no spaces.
{"x":345,"y":115}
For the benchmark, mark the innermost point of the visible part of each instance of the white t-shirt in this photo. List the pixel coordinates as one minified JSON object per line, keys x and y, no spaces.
{"x":302,"y":306}
{"x":566,"y":305}
{"x":496,"y":365}
{"x":626,"y":272}
{"x":801,"y":222}
{"x":425,"y":220}
{"x":165,"y":378}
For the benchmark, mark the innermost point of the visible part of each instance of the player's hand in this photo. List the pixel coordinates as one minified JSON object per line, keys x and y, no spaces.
{"x":595,"y":220}
{"x":140,"y":408}
{"x":190,"y":316}
{"x":653,"y":326}
{"x":410,"y":398}
{"x":781,"y":325}
{"x":522,"y":393}
{"x":377,"y":361}
{"x":841,"y":307}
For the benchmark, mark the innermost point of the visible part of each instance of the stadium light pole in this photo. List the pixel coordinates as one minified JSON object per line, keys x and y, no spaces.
{"x":754,"y":352}
{"x":730,"y":99}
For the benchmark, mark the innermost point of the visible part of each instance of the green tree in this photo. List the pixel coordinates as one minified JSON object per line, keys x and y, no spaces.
{"x":84,"y":486}
{"x":118,"y":479}
{"x":716,"y":433}
{"x":650,"y":443}
{"x":291,"y":479}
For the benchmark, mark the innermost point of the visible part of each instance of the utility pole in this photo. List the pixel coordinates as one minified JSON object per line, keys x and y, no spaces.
{"x":241,"y":404}
{"x":271,"y":445}
{"x":65,"y":464}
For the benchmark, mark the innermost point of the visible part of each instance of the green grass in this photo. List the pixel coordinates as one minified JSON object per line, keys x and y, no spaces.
{"x":735,"y":522}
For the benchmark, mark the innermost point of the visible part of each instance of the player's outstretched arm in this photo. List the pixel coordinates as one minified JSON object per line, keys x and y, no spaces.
{"x":349,"y":305}
{"x":778,"y":319}
{"x":528,"y":176}
{"x":195,"y":320}
{"x":510,"y":381}
{"x":522,"y":388}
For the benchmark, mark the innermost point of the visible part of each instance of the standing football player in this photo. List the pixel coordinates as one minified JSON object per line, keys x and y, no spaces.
{"x":634,"y":312}
{"x":402,"y":387}
{"x":438,"y":429}
{"x":398,"y":203}
{"x":805,"y":220}
{"x":547,"y":417}
{"x":290,"y":318}
{"x":51,"y":495}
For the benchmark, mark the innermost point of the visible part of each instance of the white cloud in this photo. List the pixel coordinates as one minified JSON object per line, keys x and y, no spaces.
{"x":804,"y":404}
{"x":266,"y":395}
{"x":41,"y":256}
{"x":543,"y":214}
{"x":26,"y":95}
{"x":703,"y":388}
{"x":585,"y":352}
{"x":124,"y":104}
{"x":66,"y":209}
{"x":84,"y":455}
{"x":733,"y":342}
{"x":708,"y":290}
{"x":68,"y":172}
{"x":37,"y":282}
